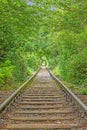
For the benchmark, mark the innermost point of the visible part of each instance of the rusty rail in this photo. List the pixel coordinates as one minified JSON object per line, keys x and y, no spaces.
{"x":16,"y":93}
{"x":70,"y":93}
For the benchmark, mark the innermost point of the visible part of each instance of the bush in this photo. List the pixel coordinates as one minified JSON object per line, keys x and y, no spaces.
{"x":6,"y":72}
{"x":78,"y":68}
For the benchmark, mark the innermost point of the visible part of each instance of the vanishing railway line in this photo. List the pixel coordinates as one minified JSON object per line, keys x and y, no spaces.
{"x":45,"y":104}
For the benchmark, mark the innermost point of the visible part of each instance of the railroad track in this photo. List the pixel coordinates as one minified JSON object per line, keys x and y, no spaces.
{"x":45,"y":104}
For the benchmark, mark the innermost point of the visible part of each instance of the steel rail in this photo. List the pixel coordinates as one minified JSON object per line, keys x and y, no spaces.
{"x":70,"y":93}
{"x":14,"y":94}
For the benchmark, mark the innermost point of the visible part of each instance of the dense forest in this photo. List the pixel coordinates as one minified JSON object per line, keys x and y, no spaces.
{"x":55,"y":30}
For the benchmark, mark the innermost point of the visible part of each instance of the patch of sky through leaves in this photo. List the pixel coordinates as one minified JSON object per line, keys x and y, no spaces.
{"x":30,"y":3}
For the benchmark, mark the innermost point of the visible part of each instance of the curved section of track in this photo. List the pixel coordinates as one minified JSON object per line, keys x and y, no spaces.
{"x":43,"y":106}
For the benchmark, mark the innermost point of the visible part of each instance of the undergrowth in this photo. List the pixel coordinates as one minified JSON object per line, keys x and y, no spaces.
{"x":76,"y":88}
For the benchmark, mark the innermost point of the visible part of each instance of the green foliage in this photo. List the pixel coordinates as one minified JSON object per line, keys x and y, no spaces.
{"x":83,"y":91}
{"x":78,"y":67}
{"x":16,"y":46}
{"x":6,"y":72}
{"x":56,"y":30}
{"x":56,"y":70}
